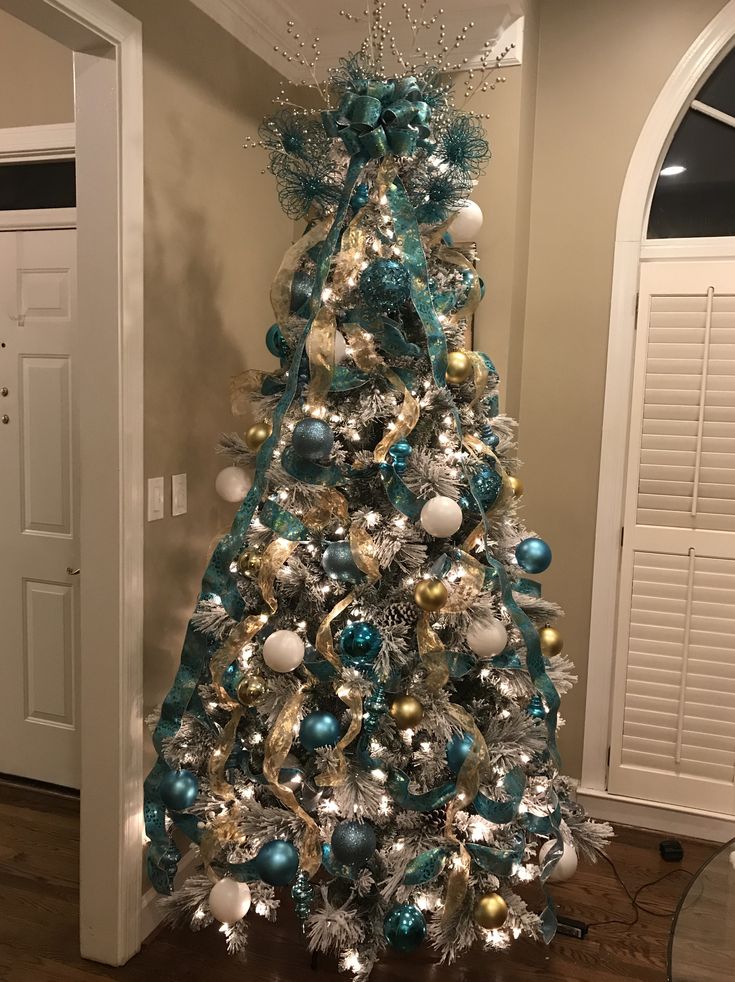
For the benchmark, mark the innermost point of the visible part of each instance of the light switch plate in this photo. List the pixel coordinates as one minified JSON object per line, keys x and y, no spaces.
{"x":179,"y":501}
{"x":155,"y":498}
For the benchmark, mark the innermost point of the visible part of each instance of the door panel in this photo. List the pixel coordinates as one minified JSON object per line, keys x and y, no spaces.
{"x":39,"y":507}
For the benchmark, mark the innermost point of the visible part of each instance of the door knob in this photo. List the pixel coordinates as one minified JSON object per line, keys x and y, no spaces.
{"x":73,"y":572}
{"x":4,"y":391}
{"x":6,"y":418}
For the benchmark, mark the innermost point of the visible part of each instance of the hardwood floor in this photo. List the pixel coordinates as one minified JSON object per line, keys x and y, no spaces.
{"x":39,"y":911}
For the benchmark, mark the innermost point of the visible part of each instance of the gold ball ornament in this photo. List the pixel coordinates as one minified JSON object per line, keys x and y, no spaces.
{"x":551,"y":641}
{"x":407,"y":712}
{"x":258,"y":433}
{"x":251,"y":690}
{"x":459,"y":367}
{"x":491,"y":911}
{"x":430,"y":595}
{"x":248,"y":564}
{"x":516,"y":486}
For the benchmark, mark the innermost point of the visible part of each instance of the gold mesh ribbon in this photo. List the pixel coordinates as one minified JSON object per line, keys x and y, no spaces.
{"x":321,"y":357}
{"x":281,"y":287}
{"x":480,"y":373}
{"x":467,"y":787}
{"x":277,"y":746}
{"x":368,"y":360}
{"x":218,"y":760}
{"x":242,"y":387}
{"x":239,"y":636}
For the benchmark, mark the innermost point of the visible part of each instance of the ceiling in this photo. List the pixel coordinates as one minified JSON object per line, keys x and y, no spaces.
{"x":261,"y":26}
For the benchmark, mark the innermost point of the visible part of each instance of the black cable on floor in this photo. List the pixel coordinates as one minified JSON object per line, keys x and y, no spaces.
{"x":633,"y":897}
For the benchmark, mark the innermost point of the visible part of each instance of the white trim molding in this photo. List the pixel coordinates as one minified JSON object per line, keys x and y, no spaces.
{"x":54,"y":141}
{"x":35,"y":218}
{"x":108,"y":101}
{"x":630,"y":247}
{"x":658,"y":817}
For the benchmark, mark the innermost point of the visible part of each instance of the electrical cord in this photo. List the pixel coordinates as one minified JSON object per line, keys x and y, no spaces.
{"x":633,"y":897}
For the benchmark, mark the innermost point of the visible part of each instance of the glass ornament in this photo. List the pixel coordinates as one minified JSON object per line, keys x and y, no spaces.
{"x":407,"y":712}
{"x":551,"y":641}
{"x":487,"y":638}
{"x":319,"y":729}
{"x":487,"y":484}
{"x":457,"y":749}
{"x":360,"y":643}
{"x":491,"y":912}
{"x":257,"y":434}
{"x":385,"y":285}
{"x":533,"y":555}
{"x":229,"y":900}
{"x":232,"y":484}
{"x":340,"y":347}
{"x":353,"y":843}
{"x":467,"y":222}
{"x":179,"y":790}
{"x":277,"y":863}
{"x":404,"y":927}
{"x":339,"y":564}
{"x":441,"y":516}
{"x":312,"y":439}
{"x":567,"y":864}
{"x":430,"y":595}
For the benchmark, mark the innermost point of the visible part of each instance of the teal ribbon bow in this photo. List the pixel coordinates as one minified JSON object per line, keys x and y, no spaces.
{"x":378,"y":117}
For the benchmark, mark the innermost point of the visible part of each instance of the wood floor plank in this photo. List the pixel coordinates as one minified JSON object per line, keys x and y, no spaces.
{"x":39,"y":929}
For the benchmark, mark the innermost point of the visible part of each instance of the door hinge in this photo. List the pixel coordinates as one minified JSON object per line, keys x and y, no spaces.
{"x":622,"y":536}
{"x":635,"y":321}
{"x":608,"y":758}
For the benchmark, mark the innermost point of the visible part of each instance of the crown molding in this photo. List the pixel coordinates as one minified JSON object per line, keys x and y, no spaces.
{"x":262,"y":28}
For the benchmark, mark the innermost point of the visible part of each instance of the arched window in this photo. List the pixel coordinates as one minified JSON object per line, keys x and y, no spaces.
{"x":695,"y":191}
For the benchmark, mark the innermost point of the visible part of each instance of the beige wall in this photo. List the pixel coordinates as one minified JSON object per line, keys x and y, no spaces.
{"x":601,"y":66}
{"x":36,"y":84}
{"x":214,"y":237}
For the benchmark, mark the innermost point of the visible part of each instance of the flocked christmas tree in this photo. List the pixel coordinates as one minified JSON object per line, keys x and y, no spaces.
{"x":364,"y":721}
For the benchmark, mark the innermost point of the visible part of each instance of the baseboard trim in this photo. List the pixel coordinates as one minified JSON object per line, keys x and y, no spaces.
{"x":670,"y":819}
{"x":151,"y":914}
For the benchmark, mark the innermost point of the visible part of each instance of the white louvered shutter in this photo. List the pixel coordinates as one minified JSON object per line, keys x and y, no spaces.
{"x":673,"y":730}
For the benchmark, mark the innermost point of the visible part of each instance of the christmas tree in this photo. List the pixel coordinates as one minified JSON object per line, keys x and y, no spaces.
{"x":364,"y":720}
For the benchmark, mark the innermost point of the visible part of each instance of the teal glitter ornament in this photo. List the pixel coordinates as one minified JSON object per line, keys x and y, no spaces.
{"x":533,"y":555}
{"x":399,"y":454}
{"x":179,"y":790}
{"x":277,"y":863}
{"x":275,"y":341}
{"x":301,"y":286}
{"x":353,"y":843}
{"x":404,"y":927}
{"x":338,"y":563}
{"x":319,"y":729}
{"x":489,"y":437}
{"x":375,"y":706}
{"x":486,"y":485}
{"x":302,"y":894}
{"x":312,"y":439}
{"x":360,"y":197}
{"x":457,"y":749}
{"x":535,"y":708}
{"x":359,"y":643}
{"x":385,"y":285}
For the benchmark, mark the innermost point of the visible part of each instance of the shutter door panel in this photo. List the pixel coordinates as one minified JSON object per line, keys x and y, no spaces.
{"x":673,"y":718}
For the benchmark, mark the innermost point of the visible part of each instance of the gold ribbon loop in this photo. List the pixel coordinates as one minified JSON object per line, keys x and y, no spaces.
{"x":320,"y":345}
{"x":242,"y":386}
{"x":281,"y":287}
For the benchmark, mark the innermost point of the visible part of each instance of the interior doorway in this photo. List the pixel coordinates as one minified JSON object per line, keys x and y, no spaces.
{"x":107,"y":406}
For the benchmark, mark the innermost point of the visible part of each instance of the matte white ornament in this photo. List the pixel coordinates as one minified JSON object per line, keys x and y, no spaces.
{"x":566,"y":867}
{"x":467,"y":222}
{"x":233,"y":483}
{"x":340,"y":347}
{"x":487,"y":638}
{"x":283,"y":651}
{"x":229,"y":900}
{"x":441,"y":516}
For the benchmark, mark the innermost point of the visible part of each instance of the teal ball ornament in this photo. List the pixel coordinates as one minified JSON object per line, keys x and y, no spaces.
{"x":360,"y":643}
{"x":353,"y":843}
{"x":482,"y":288}
{"x":360,"y":197}
{"x":457,"y":749}
{"x":385,"y":285}
{"x":486,"y":485}
{"x":275,"y":341}
{"x":277,"y":863}
{"x":179,"y":790}
{"x":404,"y":927}
{"x":533,"y":555}
{"x":319,"y":729}
{"x":312,"y":439}
{"x":338,"y":563}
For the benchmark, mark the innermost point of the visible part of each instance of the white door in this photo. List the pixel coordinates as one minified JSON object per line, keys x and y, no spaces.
{"x":39,"y":507}
{"x":673,"y":729}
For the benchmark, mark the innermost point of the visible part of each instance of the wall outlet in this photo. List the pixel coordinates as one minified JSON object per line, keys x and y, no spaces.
{"x":178,"y":494}
{"x":155,"y":498}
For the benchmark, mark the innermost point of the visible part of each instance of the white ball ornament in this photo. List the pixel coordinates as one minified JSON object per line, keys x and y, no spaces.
{"x":487,"y":638}
{"x":340,"y":347}
{"x":232,"y":483}
{"x":283,"y":651}
{"x":467,"y":222}
{"x":441,"y":516}
{"x":566,"y":867}
{"x":229,"y":900}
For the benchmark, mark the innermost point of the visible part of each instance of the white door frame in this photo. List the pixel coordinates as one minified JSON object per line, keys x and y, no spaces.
{"x":108,"y":94}
{"x":668,"y":110}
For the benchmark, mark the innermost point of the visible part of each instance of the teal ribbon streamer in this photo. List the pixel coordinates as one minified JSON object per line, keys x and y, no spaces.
{"x":309,"y":471}
{"x":163,"y":856}
{"x":283,"y":522}
{"x":399,"y":494}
